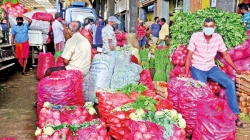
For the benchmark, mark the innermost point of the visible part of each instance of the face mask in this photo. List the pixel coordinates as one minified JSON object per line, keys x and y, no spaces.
{"x":208,"y":31}
{"x":101,"y":23}
{"x":114,"y":26}
{"x":20,"y":23}
{"x":158,"y":21}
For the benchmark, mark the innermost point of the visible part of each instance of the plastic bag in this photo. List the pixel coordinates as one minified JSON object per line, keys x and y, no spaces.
{"x":88,"y":88}
{"x":45,"y":61}
{"x":58,"y":91}
{"x":57,"y":115}
{"x":102,"y":69}
{"x":57,"y":54}
{"x":125,"y":74}
{"x":123,"y":57}
{"x":87,"y":34}
{"x":188,"y":96}
{"x":134,"y":59}
{"x":77,"y":78}
{"x":145,"y":78}
{"x":215,"y":121}
{"x":173,"y":86}
{"x":43,"y":16}
{"x":145,"y":130}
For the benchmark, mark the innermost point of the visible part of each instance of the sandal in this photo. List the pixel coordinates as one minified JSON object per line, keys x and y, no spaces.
{"x":240,"y":124}
{"x":25,"y":74}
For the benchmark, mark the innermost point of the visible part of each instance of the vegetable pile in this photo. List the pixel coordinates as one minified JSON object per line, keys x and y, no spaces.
{"x":13,"y":8}
{"x":57,"y":114}
{"x":92,"y":130}
{"x":228,"y":25}
{"x":162,"y":65}
{"x":121,"y":107}
{"x":144,"y":58}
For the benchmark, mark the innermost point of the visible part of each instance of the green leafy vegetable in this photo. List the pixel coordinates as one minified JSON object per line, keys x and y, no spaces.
{"x":228,"y":25}
{"x":132,"y":88}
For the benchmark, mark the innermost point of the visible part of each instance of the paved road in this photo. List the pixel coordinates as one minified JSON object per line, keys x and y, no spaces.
{"x":17,"y":115}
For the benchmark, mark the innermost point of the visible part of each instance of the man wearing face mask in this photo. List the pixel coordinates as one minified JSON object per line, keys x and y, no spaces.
{"x":58,"y":32}
{"x":141,"y":31}
{"x":155,"y":29}
{"x":108,"y":35}
{"x":203,"y":47}
{"x":20,"y":37}
{"x":98,"y":35}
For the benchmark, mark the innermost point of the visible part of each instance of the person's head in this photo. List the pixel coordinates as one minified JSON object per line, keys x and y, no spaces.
{"x":19,"y":21}
{"x":58,"y":16}
{"x":243,"y":8}
{"x":162,"y":21}
{"x":209,"y":26}
{"x":74,"y":27}
{"x":91,"y":21}
{"x":112,"y":20}
{"x":3,"y":21}
{"x":141,"y":23}
{"x":157,"y":20}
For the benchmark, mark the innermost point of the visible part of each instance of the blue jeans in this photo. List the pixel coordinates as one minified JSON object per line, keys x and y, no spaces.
{"x":220,"y":77}
{"x":142,"y":42}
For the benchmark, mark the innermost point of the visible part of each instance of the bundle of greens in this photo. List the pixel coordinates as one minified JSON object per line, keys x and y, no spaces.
{"x":144,"y":58}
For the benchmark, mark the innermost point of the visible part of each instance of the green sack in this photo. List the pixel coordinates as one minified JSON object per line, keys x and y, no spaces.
{"x":57,"y":54}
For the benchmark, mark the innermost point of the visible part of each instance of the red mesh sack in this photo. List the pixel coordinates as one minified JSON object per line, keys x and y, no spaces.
{"x":215,"y":120}
{"x":179,"y":134}
{"x":43,"y":16}
{"x":123,"y":36}
{"x":94,"y":132}
{"x":93,"y":53}
{"x":5,"y":138}
{"x":87,"y":34}
{"x":123,"y":42}
{"x":45,"y":61}
{"x":173,"y":86}
{"x":188,"y":96}
{"x":63,"y":115}
{"x":179,"y":56}
{"x":77,"y":77}
{"x":118,"y":37}
{"x":164,"y":104}
{"x":145,"y":78}
{"x":119,"y":43}
{"x":177,"y":71}
{"x":57,"y":135}
{"x":107,"y":101}
{"x":58,"y":91}
{"x":59,"y":61}
{"x":214,"y":87}
{"x":119,"y":124}
{"x":145,"y":130}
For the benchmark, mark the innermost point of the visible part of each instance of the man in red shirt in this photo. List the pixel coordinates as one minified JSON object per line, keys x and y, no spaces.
{"x":141,"y":31}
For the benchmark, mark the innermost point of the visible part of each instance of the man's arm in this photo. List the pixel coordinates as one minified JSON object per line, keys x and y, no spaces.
{"x":230,"y":62}
{"x":111,"y":46}
{"x":188,"y":62}
{"x":26,"y":18}
{"x":65,"y":61}
{"x":12,"y":39}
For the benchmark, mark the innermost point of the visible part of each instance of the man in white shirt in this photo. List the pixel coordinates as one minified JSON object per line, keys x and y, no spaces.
{"x":58,"y":32}
{"x":77,"y":52}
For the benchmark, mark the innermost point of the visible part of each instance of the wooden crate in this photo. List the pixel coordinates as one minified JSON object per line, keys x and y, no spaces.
{"x":243,"y":84}
{"x":162,"y":91}
{"x":243,"y":102}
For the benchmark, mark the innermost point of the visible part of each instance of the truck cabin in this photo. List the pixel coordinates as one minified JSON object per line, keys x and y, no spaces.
{"x":76,"y":11}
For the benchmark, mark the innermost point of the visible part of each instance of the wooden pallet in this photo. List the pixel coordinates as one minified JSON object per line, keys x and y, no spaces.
{"x":162,"y":91}
{"x":243,"y":84}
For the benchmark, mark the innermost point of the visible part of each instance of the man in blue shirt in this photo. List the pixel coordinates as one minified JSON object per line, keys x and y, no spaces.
{"x":155,"y":29}
{"x":246,"y":15}
{"x":20,"y":37}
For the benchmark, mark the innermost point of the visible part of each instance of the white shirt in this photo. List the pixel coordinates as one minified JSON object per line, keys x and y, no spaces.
{"x":57,"y":28}
{"x":78,"y":51}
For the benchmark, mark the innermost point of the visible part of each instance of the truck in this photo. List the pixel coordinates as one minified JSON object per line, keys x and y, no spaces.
{"x":7,"y":55}
{"x":76,"y":11}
